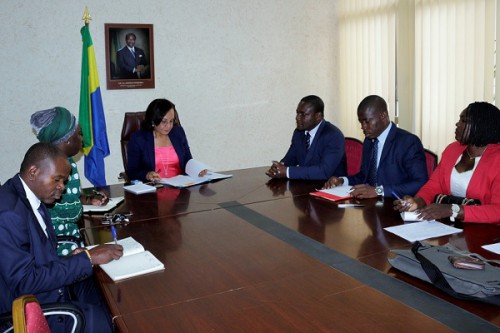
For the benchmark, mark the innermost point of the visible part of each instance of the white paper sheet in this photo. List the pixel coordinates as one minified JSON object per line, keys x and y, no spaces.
{"x":413,"y":232}
{"x":495,"y":248}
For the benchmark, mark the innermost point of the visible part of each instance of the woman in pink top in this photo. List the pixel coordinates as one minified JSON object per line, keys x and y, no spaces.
{"x":469,"y":167}
{"x":160,"y":149}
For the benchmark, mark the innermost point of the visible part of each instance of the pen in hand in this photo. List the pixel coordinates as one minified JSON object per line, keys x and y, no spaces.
{"x":403,"y":202}
{"x":113,"y":232}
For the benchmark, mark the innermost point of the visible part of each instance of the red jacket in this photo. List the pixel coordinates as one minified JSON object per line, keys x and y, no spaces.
{"x":484,"y":184}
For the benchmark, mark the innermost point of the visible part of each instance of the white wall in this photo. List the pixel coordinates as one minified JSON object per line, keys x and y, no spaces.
{"x":235,"y":70}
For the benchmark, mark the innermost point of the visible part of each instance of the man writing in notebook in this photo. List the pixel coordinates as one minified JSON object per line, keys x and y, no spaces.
{"x":30,"y":264}
{"x":317,"y":150}
{"x":393,"y":159}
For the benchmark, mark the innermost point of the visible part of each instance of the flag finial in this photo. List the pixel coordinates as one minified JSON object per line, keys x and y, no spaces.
{"x":86,"y":16}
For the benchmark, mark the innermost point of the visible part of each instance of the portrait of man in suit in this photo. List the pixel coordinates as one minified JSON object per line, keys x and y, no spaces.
{"x":131,"y":60}
{"x":129,"y":56}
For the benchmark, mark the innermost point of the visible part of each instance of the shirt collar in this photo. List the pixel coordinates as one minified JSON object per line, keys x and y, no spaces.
{"x":383,"y":136}
{"x":313,"y":132}
{"x":32,"y":198}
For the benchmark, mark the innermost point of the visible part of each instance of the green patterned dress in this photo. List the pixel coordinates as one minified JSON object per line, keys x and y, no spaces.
{"x":66,"y":213}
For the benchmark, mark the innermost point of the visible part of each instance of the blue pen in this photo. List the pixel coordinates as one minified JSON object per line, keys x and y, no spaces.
{"x":396,"y":196}
{"x":113,"y":232}
{"x":403,"y":202}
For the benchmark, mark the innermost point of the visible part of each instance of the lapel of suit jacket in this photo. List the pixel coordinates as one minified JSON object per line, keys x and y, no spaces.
{"x":24,"y":199}
{"x":48,"y":222}
{"x":389,"y":141}
{"x":150,"y":151}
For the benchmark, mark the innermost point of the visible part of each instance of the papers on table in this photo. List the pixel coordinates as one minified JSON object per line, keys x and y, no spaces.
{"x":193,"y":169}
{"x":140,"y":188}
{"x":495,"y":248}
{"x":112,"y":203}
{"x":410,"y":216}
{"x":334,"y":194}
{"x":413,"y":232}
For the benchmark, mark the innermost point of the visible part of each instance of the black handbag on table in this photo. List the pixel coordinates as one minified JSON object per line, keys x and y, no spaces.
{"x":436,"y":265}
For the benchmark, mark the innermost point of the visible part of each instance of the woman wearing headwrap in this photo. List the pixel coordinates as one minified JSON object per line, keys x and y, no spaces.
{"x":59,"y":127}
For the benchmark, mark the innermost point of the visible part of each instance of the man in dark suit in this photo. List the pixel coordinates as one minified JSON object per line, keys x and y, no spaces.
{"x":132,"y":60}
{"x":30,"y":264}
{"x":317,"y":150}
{"x":393,"y":159}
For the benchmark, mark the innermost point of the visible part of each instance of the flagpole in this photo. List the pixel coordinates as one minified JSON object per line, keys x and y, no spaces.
{"x":86,"y":16}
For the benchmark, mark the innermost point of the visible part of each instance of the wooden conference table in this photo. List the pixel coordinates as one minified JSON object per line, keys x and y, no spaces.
{"x":250,"y":254}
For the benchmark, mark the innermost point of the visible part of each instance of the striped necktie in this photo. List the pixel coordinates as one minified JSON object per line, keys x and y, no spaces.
{"x":308,"y":140}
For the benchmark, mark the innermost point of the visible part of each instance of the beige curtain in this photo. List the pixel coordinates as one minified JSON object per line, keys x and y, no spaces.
{"x":454,"y":64}
{"x":445,"y":59}
{"x":366,"y":54}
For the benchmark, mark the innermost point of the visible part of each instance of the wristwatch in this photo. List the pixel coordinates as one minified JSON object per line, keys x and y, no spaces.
{"x":455,"y":209}
{"x":379,"y":190}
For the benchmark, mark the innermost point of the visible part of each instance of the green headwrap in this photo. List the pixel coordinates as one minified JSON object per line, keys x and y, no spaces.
{"x":54,"y":125}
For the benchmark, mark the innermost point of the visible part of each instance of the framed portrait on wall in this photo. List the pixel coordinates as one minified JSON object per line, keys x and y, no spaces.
{"x":129,"y":56}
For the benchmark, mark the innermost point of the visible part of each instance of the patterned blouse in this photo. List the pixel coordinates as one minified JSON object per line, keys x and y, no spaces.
{"x":66,"y":213}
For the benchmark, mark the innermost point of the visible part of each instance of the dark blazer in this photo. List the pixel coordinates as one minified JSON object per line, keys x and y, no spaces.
{"x":141,"y":152}
{"x":402,"y":166}
{"x":127,"y":62}
{"x":30,"y":264}
{"x":325,"y":158}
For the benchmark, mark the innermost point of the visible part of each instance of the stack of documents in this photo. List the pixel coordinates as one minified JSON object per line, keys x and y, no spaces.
{"x":334,"y":194}
{"x":139,"y":188}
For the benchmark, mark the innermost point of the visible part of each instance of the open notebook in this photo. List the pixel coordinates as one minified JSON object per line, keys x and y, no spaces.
{"x":112,"y":203}
{"x":193,"y":169}
{"x":135,"y":261}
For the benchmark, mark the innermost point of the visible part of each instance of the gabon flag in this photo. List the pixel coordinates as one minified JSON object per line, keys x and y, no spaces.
{"x":91,"y":115}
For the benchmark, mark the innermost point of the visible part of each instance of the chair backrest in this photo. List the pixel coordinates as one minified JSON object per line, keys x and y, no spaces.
{"x":354,"y":155}
{"x":431,"y":160}
{"x":131,"y":123}
{"x":28,"y":316}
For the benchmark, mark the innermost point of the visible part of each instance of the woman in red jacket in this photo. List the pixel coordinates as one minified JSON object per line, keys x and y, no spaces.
{"x":469,"y":167}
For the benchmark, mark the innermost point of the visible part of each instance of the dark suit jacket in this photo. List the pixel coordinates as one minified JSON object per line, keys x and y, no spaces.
{"x":127,"y":62}
{"x":325,"y":157}
{"x":141,"y":152}
{"x":29,"y":263}
{"x":402,"y":167}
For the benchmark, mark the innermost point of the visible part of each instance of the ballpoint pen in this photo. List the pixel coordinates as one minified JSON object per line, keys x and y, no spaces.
{"x":113,"y":232}
{"x":403,"y":202}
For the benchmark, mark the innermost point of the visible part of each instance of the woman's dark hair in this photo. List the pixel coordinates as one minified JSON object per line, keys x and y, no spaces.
{"x":155,"y":113}
{"x":482,"y":124}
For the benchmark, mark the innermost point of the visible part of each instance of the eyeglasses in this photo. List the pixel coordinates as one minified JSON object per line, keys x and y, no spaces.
{"x":112,"y":219}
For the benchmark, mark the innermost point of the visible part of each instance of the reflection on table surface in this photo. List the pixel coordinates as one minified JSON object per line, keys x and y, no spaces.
{"x":188,"y":230}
